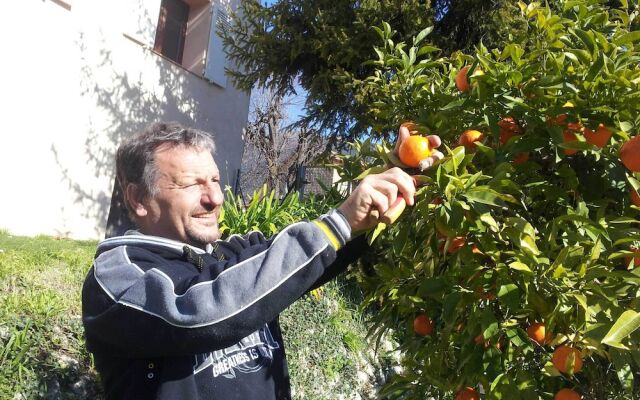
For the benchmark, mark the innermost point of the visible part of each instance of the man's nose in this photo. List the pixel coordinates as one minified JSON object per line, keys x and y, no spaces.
{"x":212,"y":194}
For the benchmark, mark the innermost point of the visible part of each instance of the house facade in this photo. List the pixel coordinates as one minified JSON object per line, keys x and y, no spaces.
{"x":79,"y":76}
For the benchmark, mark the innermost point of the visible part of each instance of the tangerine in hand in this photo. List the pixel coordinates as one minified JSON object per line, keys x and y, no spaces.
{"x":414,"y":149}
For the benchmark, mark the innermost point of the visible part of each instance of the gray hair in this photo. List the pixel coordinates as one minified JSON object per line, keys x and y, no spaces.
{"x":135,"y":158}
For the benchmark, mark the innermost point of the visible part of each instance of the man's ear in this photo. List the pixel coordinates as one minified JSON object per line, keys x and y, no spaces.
{"x":134,"y":196}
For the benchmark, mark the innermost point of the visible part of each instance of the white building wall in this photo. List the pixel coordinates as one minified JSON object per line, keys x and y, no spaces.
{"x":74,"y":84}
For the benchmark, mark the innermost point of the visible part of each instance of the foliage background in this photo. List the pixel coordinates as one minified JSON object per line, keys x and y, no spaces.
{"x":552,"y":232}
{"x":324,"y":44}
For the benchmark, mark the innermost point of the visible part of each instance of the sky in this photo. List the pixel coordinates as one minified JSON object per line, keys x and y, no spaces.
{"x":295,"y":104}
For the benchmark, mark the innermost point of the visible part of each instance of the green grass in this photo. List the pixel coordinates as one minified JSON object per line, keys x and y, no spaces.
{"x":42,"y":353}
{"x":325,"y":340}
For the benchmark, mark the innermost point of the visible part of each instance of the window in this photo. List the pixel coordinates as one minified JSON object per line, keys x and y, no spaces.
{"x":172,"y":29}
{"x":187,"y":33}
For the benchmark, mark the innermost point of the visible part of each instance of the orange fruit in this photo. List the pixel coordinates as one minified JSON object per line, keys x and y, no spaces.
{"x":468,"y":394}
{"x":509,"y":123}
{"x":630,"y":154}
{"x":521,"y":158}
{"x":561,"y":359}
{"x":456,"y":244}
{"x":558,"y":120}
{"x":598,"y":138}
{"x":423,"y":325}
{"x":469,"y":138}
{"x":462,"y":83}
{"x":414,"y":149}
{"x":476,"y":250}
{"x":635,"y":197}
{"x":636,"y":258}
{"x":481,"y":342}
{"x":537,"y":333}
{"x":508,"y":128}
{"x":567,"y":394}
{"x":574,"y":126}
{"x":488,"y":296}
{"x":505,"y":136}
{"x":569,"y":136}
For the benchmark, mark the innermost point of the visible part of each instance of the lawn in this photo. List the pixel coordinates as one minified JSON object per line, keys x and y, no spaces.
{"x":42,"y":353}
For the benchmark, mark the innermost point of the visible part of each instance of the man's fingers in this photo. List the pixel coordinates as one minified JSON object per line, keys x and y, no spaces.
{"x":392,"y":183}
{"x":434,"y":141}
{"x":429,"y":161}
{"x":404,"y":183}
{"x":436,"y":156}
{"x":379,"y":203}
{"x":403,"y":133}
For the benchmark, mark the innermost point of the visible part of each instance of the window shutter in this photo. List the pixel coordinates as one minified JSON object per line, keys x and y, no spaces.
{"x":216,"y":58}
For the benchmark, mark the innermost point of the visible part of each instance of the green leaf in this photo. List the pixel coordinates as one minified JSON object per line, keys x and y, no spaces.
{"x":457,"y":156}
{"x":453,"y":104}
{"x":376,"y":232}
{"x":582,"y":300}
{"x":486,"y":195}
{"x":387,"y":29}
{"x":635,"y":184}
{"x":522,"y":234}
{"x":426,"y":50}
{"x":595,"y":69}
{"x":630,"y":37}
{"x":621,"y":362}
{"x":432,"y":287}
{"x":509,"y":295}
{"x":372,"y":170}
{"x":489,"y":324}
{"x":378,"y":31}
{"x":449,"y":306}
{"x":518,"y":266}
{"x":628,"y":322}
{"x":489,"y":221}
{"x":626,"y":126}
{"x":583,"y":55}
{"x":423,"y":34}
{"x":586,"y":39}
{"x":393,"y":159}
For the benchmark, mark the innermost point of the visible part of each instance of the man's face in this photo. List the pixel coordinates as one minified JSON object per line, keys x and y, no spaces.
{"x":188,"y":202}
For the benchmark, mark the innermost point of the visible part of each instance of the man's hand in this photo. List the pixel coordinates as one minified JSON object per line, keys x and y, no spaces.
{"x":376,"y":193}
{"x":434,"y":142}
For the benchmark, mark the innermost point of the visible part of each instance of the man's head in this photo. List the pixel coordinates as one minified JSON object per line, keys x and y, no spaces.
{"x":171,"y":184}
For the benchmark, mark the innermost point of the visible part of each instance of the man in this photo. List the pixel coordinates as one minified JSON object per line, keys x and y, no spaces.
{"x":171,"y":312}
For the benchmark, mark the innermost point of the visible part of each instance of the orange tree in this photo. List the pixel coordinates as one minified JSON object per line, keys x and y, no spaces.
{"x":515,"y":250}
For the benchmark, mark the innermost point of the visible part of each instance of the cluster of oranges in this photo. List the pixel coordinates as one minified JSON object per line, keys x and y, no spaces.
{"x":565,"y":358}
{"x":417,"y":148}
